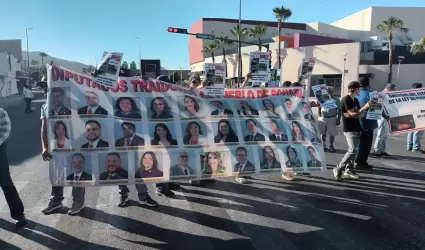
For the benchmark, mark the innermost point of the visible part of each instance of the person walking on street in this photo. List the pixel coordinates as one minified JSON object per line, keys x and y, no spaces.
{"x":16,"y":206}
{"x":329,"y":121}
{"x":379,"y":148}
{"x":414,"y":138}
{"x":368,"y":126}
{"x":28,"y":96}
{"x":350,"y":107}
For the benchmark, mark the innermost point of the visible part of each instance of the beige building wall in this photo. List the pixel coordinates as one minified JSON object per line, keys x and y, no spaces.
{"x":329,"y":61}
{"x":357,"y":21}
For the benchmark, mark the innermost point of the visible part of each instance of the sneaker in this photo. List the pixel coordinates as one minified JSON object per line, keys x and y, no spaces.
{"x":240,"y":180}
{"x":148,"y":202}
{"x":123,"y":201}
{"x":364,"y":166}
{"x":21,"y":221}
{"x":331,"y":149}
{"x":418,"y":151}
{"x":52,"y":206}
{"x":325,"y":148}
{"x":168,"y":193}
{"x":351,"y":173}
{"x":288,"y":177}
{"x":385,"y":154}
{"x":76,"y":207}
{"x":337,"y":174}
{"x":195,"y":183}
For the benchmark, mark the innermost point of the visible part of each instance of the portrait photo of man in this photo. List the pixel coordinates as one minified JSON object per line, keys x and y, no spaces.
{"x":243,"y":164}
{"x":93,"y":130}
{"x":78,"y":162}
{"x":130,"y":138}
{"x":182,"y":168}
{"x":220,"y":109}
{"x":253,"y":134}
{"x":277,"y":135}
{"x":114,"y":168}
{"x":307,"y":110}
{"x":57,"y":106}
{"x":313,"y":162}
{"x":92,"y":107}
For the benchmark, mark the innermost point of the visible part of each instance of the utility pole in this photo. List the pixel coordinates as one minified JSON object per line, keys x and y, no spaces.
{"x":239,"y":43}
{"x":181,"y":74}
{"x":28,"y":52}
{"x":140,"y":54}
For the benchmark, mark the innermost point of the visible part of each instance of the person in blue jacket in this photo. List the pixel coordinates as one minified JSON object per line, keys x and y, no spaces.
{"x":366,"y":135}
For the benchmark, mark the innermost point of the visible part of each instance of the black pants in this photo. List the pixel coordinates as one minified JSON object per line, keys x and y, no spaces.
{"x":11,"y":194}
{"x":28,"y":104}
{"x":365,"y":145}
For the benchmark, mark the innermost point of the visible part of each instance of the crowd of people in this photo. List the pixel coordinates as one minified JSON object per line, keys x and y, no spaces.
{"x":351,"y":109}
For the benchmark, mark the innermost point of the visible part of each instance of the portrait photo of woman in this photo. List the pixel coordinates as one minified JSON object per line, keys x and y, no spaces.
{"x":314,"y":135}
{"x":148,"y":166}
{"x":269,"y":108}
{"x":126,"y":108}
{"x":269,"y":160}
{"x":61,"y":136}
{"x":191,"y":107}
{"x":160,"y":110}
{"x":297,"y":133}
{"x":194,"y":134}
{"x":292,"y":156}
{"x":162,"y":136}
{"x":213,"y":164}
{"x":225,"y":133}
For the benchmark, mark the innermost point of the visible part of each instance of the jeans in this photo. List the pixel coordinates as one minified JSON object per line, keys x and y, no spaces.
{"x":16,"y":206}
{"x":142,"y":191}
{"x":78,"y":194}
{"x":381,"y":137}
{"x":353,"y":139}
{"x":414,"y":140}
{"x":365,"y":144}
{"x":28,"y":104}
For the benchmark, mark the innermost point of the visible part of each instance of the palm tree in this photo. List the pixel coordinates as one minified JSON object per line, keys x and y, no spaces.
{"x":418,"y":47}
{"x":240,"y":34}
{"x":34,"y":63}
{"x":281,"y":14}
{"x":211,"y":47}
{"x":257,"y":32}
{"x":388,"y":26}
{"x":43,"y":55}
{"x":223,"y":43}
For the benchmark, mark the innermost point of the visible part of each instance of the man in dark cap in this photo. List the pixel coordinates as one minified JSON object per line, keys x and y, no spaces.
{"x":414,"y":138}
{"x":195,"y":82}
{"x":352,"y":111}
{"x":368,"y":126}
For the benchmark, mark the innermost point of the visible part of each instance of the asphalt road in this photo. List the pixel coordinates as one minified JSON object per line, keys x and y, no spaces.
{"x":382,"y":210}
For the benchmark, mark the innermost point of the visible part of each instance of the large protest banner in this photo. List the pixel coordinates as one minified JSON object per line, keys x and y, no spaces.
{"x":406,"y":109}
{"x":153,"y":131}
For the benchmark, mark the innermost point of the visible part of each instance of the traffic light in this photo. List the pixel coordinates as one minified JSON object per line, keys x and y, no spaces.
{"x":177,"y":30}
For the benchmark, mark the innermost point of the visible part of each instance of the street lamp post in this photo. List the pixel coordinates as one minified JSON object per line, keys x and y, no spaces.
{"x":28,"y":53}
{"x":239,"y":42}
{"x":140,"y":54}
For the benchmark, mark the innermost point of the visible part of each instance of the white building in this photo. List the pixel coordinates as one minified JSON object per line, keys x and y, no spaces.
{"x":9,"y":65}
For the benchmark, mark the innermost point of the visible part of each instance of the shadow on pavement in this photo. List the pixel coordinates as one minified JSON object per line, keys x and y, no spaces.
{"x":57,"y":239}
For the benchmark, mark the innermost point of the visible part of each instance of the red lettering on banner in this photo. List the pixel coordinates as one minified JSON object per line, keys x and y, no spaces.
{"x":68,"y":75}
{"x":123,"y":86}
{"x":55,"y":73}
{"x":229,"y":93}
{"x":61,"y":74}
{"x":203,"y":95}
{"x":164,"y":87}
{"x":262,"y":93}
{"x":78,"y":79}
{"x":88,"y":81}
{"x":135,"y":84}
{"x":251,"y":94}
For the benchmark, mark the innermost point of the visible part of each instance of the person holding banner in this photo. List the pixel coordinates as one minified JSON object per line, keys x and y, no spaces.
{"x":329,"y":121}
{"x":195,"y":82}
{"x":55,"y":202}
{"x":367,"y":125}
{"x":352,"y":111}
{"x":379,"y":149}
{"x":414,"y":138}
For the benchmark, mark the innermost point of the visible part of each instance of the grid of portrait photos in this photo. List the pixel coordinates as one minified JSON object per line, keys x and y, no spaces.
{"x":102,"y":137}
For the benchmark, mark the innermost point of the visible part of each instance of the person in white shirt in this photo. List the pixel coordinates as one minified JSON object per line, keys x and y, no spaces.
{"x":28,"y":96}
